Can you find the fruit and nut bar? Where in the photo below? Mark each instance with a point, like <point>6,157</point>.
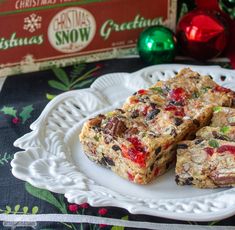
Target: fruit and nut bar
<point>209,160</point>
<point>206,163</point>
<point>138,140</point>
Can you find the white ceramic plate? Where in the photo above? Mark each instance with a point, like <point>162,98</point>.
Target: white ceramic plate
<point>52,157</point>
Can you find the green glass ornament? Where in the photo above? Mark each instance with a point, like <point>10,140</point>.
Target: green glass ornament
<point>228,6</point>
<point>157,45</point>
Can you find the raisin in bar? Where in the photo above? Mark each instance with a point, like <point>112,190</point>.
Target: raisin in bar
<point>138,141</point>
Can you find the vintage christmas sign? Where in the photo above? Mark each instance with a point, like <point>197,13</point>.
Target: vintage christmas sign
<point>37,34</point>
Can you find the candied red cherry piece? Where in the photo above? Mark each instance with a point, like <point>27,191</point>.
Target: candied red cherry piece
<point>142,91</point>
<point>178,111</point>
<point>221,89</point>
<point>178,94</point>
<point>135,141</point>
<point>130,176</point>
<point>209,150</point>
<point>171,108</point>
<point>226,148</point>
<point>134,154</point>
<point>145,110</point>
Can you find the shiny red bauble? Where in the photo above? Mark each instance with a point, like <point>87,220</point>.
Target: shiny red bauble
<point>202,34</point>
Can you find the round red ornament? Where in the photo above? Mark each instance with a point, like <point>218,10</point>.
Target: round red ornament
<point>202,34</point>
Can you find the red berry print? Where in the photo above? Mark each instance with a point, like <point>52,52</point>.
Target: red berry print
<point>84,205</point>
<point>16,120</point>
<point>209,151</point>
<point>102,225</point>
<point>99,65</point>
<point>102,211</point>
<point>73,207</point>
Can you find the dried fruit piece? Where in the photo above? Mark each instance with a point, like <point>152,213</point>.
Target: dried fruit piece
<point>198,141</point>
<point>178,94</point>
<point>158,150</point>
<point>221,89</point>
<point>145,110</point>
<point>130,176</point>
<point>196,122</point>
<point>142,91</point>
<point>217,109</point>
<point>226,148</point>
<point>153,113</point>
<point>136,152</point>
<point>116,147</point>
<point>178,121</point>
<point>224,129</point>
<point>220,136</point>
<point>178,111</point>
<point>195,95</point>
<point>134,155</point>
<point>156,171</point>
<point>209,151</point>
<point>182,146</point>
<point>107,161</point>
<point>188,181</point>
<point>135,114</point>
<point>158,89</point>
<point>213,143</point>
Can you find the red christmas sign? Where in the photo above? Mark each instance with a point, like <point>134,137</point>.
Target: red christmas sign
<point>39,33</point>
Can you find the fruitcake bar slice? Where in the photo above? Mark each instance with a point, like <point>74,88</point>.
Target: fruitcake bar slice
<point>130,147</point>
<point>184,96</point>
<point>206,163</point>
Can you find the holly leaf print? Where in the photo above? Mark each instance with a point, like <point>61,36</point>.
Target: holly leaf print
<point>9,111</point>
<point>61,75</point>
<point>77,70</point>
<point>26,113</point>
<point>57,85</point>
<point>45,195</point>
<point>83,83</point>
